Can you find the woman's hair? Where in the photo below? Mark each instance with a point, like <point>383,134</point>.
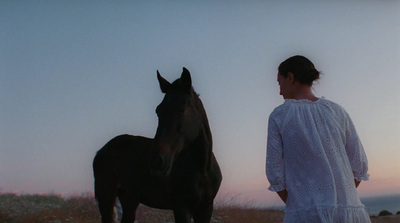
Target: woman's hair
<point>302,68</point>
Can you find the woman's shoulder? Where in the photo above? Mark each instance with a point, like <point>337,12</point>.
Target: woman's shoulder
<point>335,109</point>
<point>331,104</point>
<point>279,110</point>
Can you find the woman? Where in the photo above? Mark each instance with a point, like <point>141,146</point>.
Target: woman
<point>315,159</point>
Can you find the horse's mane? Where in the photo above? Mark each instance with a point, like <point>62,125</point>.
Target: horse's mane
<point>200,107</point>
<point>207,131</point>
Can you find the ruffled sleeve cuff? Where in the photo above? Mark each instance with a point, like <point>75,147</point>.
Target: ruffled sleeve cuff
<point>364,177</point>
<point>276,188</point>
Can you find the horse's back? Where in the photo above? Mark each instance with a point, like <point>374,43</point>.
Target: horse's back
<point>127,142</point>
<point>119,151</point>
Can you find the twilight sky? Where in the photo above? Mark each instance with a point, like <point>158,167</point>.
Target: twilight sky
<point>75,74</point>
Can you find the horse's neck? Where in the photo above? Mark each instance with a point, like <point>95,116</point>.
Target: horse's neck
<point>203,143</point>
<point>205,131</point>
<point>203,147</point>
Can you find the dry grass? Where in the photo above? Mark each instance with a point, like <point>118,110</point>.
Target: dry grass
<point>386,219</point>
<point>236,215</point>
<point>47,208</point>
<point>234,209</point>
<point>83,209</point>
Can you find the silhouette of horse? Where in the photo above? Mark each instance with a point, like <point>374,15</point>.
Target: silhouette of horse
<point>176,170</point>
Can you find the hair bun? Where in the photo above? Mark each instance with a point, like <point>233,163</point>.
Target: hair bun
<point>314,74</point>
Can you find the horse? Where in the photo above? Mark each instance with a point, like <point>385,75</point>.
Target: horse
<point>176,170</point>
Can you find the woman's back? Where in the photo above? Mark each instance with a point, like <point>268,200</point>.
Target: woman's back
<point>315,154</point>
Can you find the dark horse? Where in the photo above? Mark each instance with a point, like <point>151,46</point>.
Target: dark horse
<point>176,170</point>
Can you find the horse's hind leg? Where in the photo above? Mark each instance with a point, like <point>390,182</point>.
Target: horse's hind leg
<point>129,206</point>
<point>105,197</point>
<point>106,206</point>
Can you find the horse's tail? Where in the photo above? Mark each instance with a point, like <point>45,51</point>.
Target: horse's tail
<point>106,182</point>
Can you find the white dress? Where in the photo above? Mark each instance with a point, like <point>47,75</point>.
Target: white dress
<point>314,152</point>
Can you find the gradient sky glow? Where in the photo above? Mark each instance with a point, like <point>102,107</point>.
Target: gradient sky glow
<point>75,74</point>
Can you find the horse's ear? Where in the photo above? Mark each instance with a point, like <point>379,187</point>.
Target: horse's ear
<point>164,84</point>
<point>186,79</point>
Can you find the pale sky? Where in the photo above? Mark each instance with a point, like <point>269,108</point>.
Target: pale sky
<point>75,74</point>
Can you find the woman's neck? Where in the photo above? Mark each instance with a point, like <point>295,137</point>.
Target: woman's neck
<point>304,92</point>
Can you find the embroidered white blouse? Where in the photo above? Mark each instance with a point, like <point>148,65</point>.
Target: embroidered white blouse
<point>314,152</point>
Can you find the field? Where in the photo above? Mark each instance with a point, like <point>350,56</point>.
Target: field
<point>83,209</point>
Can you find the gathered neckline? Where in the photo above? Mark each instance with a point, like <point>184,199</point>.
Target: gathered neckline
<point>303,100</point>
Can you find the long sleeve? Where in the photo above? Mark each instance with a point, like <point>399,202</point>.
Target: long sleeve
<point>355,152</point>
<point>275,167</point>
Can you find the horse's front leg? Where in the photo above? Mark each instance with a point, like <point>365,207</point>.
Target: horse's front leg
<point>182,215</point>
<point>203,215</point>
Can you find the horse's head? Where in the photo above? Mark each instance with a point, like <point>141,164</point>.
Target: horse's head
<point>179,121</point>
